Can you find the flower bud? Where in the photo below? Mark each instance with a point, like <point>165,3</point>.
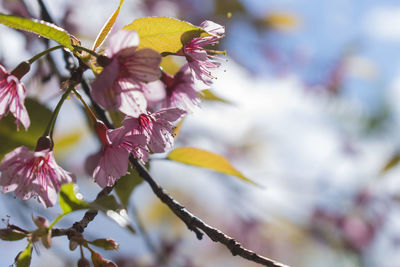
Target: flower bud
<point>8,234</point>
<point>41,222</point>
<point>99,261</point>
<point>83,263</point>
<point>42,232</point>
<point>43,143</point>
<point>105,243</point>
<point>101,130</point>
<point>73,245</point>
<point>22,69</point>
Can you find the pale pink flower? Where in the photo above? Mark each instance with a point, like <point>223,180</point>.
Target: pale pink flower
<point>113,160</point>
<point>157,127</point>
<point>33,174</point>
<point>180,90</point>
<point>119,86</point>
<point>155,94</point>
<point>12,97</point>
<point>201,59</point>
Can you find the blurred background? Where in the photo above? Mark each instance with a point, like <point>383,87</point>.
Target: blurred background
<point>308,108</point>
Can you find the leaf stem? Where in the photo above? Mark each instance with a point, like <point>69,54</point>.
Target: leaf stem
<point>89,110</point>
<point>86,50</point>
<point>57,220</point>
<point>45,52</point>
<point>50,126</point>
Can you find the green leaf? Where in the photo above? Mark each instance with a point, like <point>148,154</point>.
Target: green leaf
<point>205,159</point>
<point>11,138</point>
<point>125,186</point>
<point>68,200</point>
<point>40,27</point>
<point>107,27</point>
<point>209,95</point>
<point>164,34</point>
<point>23,258</point>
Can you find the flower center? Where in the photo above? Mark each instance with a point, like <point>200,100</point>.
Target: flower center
<point>144,121</point>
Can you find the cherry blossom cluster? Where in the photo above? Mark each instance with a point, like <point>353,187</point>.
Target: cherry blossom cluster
<point>130,81</point>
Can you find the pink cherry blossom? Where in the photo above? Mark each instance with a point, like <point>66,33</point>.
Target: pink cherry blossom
<point>12,97</point>
<point>112,161</point>
<point>119,86</point>
<point>157,127</point>
<point>180,90</point>
<point>199,59</point>
<point>33,174</point>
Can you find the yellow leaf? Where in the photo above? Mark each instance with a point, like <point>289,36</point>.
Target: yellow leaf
<point>209,95</point>
<point>69,139</point>
<point>391,163</point>
<point>282,21</point>
<point>163,34</point>
<point>107,27</point>
<point>205,159</point>
<point>170,64</point>
<point>178,127</point>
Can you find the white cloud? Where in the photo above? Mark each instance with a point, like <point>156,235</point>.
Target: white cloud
<point>383,23</point>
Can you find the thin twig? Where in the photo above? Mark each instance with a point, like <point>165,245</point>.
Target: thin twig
<point>89,216</point>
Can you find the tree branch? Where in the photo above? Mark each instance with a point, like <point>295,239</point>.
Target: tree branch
<point>194,224</point>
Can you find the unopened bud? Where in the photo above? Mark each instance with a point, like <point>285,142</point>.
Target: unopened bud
<point>99,261</point>
<point>41,222</point>
<point>46,240</point>
<point>42,233</point>
<point>8,234</point>
<point>43,143</point>
<point>101,130</point>
<point>73,245</point>
<point>83,263</point>
<point>105,243</point>
<point>22,69</point>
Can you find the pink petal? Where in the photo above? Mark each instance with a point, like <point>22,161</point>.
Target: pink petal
<point>112,166</point>
<point>212,28</point>
<point>161,139</point>
<point>91,162</point>
<point>182,93</point>
<point>103,91</point>
<point>170,114</point>
<point>142,65</point>
<point>154,92</point>
<point>117,136</point>
<point>131,123</point>
<point>31,174</point>
<point>137,139</point>
<point>133,102</point>
<point>12,97</point>
<point>121,40</point>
